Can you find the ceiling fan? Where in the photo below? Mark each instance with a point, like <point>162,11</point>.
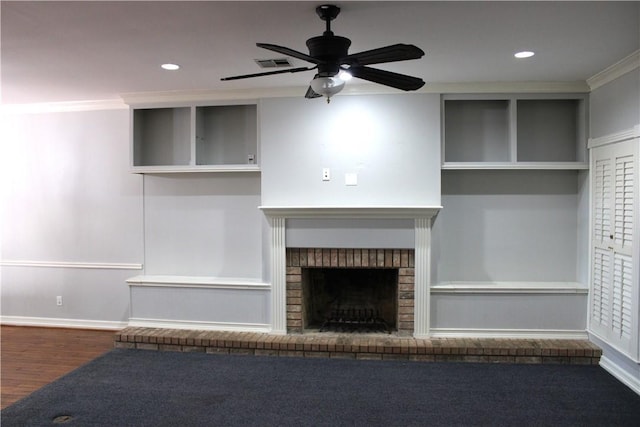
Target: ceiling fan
<point>329,54</point>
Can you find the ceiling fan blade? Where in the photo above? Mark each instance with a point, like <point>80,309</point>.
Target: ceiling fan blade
<point>269,73</point>
<point>290,52</point>
<point>387,78</point>
<point>393,53</point>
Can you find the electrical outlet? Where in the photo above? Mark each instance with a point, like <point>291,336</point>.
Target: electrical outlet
<point>59,300</point>
<point>326,174</point>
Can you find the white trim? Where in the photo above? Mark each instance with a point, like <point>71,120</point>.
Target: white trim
<point>196,168</point>
<point>278,276</point>
<point>509,333</point>
<point>174,98</point>
<point>70,264</point>
<point>64,107</point>
<point>613,138</point>
<point>621,374</point>
<point>52,322</point>
<point>579,87</point>
<point>380,212</point>
<point>515,165</point>
<point>197,282</point>
<point>601,341</point>
<point>181,97</point>
<point>422,259</point>
<point>199,325</point>
<point>614,71</point>
<point>509,288</point>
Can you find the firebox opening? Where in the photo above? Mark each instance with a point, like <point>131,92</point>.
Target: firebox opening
<point>363,300</point>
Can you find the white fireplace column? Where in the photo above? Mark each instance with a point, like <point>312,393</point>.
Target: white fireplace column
<point>422,285</point>
<point>422,216</point>
<point>278,276</point>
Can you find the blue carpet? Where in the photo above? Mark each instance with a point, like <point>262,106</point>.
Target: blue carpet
<point>149,388</point>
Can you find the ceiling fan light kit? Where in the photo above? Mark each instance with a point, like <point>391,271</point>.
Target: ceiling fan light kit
<point>327,86</point>
<point>330,55</point>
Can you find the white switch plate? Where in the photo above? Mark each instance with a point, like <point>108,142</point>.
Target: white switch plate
<point>326,174</point>
<point>351,179</point>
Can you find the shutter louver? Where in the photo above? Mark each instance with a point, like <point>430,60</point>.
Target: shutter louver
<point>601,287</point>
<point>621,313</point>
<point>623,201</point>
<point>602,197</point>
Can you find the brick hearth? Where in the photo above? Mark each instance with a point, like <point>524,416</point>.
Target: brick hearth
<point>352,346</point>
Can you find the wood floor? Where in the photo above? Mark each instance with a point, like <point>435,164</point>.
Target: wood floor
<point>33,357</point>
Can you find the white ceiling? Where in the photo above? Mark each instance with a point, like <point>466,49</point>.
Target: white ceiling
<point>71,51</point>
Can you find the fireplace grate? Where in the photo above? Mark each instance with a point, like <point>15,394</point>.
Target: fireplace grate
<point>355,320</point>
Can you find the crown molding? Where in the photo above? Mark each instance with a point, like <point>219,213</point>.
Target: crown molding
<point>614,71</point>
<point>507,87</point>
<point>189,97</point>
<point>63,107</point>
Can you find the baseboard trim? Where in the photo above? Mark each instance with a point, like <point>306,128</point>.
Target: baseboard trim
<point>622,375</point>
<point>508,333</point>
<point>199,325</point>
<point>52,322</point>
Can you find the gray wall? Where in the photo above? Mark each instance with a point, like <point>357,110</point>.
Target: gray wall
<point>615,106</point>
<point>68,198</point>
<point>507,226</point>
<point>350,233</point>
<point>392,142</point>
<point>203,225</point>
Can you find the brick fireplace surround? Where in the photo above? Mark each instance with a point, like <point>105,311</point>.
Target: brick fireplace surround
<point>401,259</point>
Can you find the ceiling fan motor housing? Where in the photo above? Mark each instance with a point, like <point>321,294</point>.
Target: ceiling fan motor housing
<point>329,50</point>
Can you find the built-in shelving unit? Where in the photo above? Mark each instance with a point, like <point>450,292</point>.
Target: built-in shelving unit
<point>195,138</point>
<point>523,131</point>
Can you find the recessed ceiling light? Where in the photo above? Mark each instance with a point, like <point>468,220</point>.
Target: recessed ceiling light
<point>170,67</point>
<point>524,54</point>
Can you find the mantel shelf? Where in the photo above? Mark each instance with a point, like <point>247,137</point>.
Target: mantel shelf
<point>376,212</point>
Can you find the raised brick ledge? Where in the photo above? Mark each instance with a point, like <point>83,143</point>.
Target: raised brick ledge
<point>371,347</point>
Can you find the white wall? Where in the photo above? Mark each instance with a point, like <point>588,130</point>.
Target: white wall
<point>68,202</point>
<point>392,143</point>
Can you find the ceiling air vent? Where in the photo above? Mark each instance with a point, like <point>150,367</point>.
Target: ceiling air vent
<point>273,63</point>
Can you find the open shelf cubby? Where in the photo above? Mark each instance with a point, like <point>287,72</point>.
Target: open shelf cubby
<point>195,138</point>
<point>523,131</point>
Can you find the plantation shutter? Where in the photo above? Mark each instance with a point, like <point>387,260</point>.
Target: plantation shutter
<point>614,298</point>
<point>601,262</point>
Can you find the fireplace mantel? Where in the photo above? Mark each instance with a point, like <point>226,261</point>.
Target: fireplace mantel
<point>374,212</point>
<point>422,216</point>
